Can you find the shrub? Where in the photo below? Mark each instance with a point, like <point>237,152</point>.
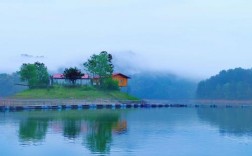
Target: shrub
<point>110,84</point>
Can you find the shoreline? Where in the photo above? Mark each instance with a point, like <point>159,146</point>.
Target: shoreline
<point>10,104</point>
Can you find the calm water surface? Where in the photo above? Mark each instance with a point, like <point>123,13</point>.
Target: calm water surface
<point>164,131</point>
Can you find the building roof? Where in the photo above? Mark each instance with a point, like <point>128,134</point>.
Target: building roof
<point>115,74</point>
<point>86,76</point>
<point>58,76</point>
<point>61,76</point>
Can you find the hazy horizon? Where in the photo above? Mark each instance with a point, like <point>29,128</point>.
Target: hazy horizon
<point>191,38</point>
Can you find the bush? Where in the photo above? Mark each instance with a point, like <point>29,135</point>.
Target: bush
<point>110,84</point>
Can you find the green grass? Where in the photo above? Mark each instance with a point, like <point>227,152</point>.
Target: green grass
<point>60,92</point>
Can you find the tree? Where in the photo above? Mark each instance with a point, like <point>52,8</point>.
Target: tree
<point>36,75</point>
<point>72,74</point>
<point>100,65</point>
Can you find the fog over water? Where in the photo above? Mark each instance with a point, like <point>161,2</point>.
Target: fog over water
<point>191,38</point>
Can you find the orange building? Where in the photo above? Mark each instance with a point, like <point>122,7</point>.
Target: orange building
<point>121,78</point>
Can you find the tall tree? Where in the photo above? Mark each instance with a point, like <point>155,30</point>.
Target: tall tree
<point>100,65</point>
<point>36,75</point>
<point>72,74</point>
<point>42,74</point>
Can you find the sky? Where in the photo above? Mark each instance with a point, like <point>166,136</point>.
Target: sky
<point>194,38</point>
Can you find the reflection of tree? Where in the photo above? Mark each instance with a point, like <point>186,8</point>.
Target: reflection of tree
<point>72,128</point>
<point>99,137</point>
<point>98,125</point>
<point>237,121</point>
<point>33,129</point>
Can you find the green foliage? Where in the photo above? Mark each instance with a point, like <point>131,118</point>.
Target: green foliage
<point>33,129</point>
<point>100,124</point>
<point>99,137</point>
<point>8,84</point>
<point>72,74</point>
<point>28,73</point>
<point>230,84</point>
<point>42,74</point>
<point>72,128</point>
<point>110,84</point>
<point>100,65</point>
<point>36,75</point>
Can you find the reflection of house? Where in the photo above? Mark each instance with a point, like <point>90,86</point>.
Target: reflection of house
<point>61,80</point>
<point>120,127</point>
<point>121,78</point>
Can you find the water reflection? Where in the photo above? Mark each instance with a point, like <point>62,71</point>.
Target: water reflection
<point>33,129</point>
<point>127,132</point>
<point>230,121</point>
<point>72,128</point>
<point>99,135</point>
<point>95,128</point>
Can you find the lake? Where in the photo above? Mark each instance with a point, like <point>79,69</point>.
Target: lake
<point>142,131</point>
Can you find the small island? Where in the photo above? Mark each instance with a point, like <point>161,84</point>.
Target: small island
<point>81,93</point>
<point>99,83</point>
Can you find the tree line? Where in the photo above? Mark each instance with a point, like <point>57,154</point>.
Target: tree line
<point>228,84</point>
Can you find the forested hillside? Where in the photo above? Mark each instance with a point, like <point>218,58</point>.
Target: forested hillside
<point>228,84</point>
<point>157,85</point>
<point>7,84</point>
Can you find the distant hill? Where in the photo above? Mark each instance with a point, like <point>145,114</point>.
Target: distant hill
<point>7,84</point>
<point>155,85</point>
<point>228,84</point>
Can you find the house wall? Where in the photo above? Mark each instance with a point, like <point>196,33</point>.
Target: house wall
<point>83,82</point>
<point>96,82</point>
<point>122,81</point>
<point>59,81</point>
<point>66,82</point>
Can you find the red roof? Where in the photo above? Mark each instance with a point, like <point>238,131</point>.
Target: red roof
<point>58,76</point>
<point>85,76</point>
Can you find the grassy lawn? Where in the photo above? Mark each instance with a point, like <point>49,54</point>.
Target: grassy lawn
<point>60,92</point>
